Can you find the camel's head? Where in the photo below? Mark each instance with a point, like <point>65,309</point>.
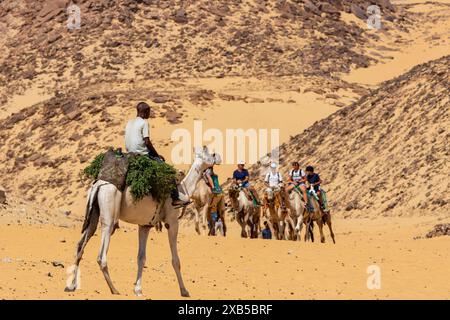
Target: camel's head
<point>233,191</point>
<point>203,159</point>
<point>233,194</point>
<point>270,194</point>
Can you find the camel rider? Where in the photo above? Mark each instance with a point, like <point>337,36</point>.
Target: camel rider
<point>137,140</point>
<point>212,180</point>
<point>241,177</point>
<point>274,182</point>
<point>314,181</point>
<point>297,179</point>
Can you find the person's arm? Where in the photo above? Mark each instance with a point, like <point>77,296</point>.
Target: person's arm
<point>210,180</point>
<point>234,177</point>
<point>304,179</point>
<point>145,131</point>
<point>291,174</point>
<point>151,149</point>
<point>319,181</point>
<point>247,177</point>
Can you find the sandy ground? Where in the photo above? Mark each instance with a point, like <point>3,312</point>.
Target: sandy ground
<point>235,268</point>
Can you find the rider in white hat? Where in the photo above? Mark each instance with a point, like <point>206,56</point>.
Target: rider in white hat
<point>242,177</point>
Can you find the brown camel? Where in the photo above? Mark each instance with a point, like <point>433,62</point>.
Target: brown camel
<point>276,213</point>
<point>246,213</point>
<point>320,218</point>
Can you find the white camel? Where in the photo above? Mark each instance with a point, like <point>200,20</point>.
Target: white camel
<point>296,212</point>
<point>107,204</point>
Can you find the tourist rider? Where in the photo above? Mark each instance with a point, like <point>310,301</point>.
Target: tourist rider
<point>241,177</point>
<point>297,179</point>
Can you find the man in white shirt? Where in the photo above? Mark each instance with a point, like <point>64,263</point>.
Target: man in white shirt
<point>137,140</point>
<point>273,177</point>
<point>297,179</point>
<point>274,182</point>
<point>137,135</point>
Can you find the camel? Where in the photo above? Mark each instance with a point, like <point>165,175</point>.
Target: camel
<point>247,214</point>
<point>275,213</point>
<point>319,217</point>
<point>296,212</point>
<point>107,205</point>
<point>202,197</point>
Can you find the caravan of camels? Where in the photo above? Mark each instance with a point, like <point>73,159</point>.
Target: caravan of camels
<point>284,209</point>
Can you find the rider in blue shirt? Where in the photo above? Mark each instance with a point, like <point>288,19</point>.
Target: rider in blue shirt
<point>315,181</point>
<point>241,177</point>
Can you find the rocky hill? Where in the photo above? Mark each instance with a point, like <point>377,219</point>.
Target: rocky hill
<point>154,39</point>
<point>388,152</point>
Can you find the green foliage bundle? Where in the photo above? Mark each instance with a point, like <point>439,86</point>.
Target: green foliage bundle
<point>145,176</point>
<point>92,170</point>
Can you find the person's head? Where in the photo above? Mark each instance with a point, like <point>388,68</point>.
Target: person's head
<point>143,110</point>
<point>266,225</point>
<point>241,164</point>
<point>295,165</point>
<point>309,169</point>
<point>273,167</point>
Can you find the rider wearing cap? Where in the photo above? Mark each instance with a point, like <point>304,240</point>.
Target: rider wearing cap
<point>297,179</point>
<point>274,182</point>
<point>242,177</point>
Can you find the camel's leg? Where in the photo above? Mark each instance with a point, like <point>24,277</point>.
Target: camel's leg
<point>290,223</point>
<point>272,229</point>
<point>143,236</point>
<point>328,222</point>
<point>201,216</point>
<point>299,226</point>
<point>242,223</point>
<point>308,232</point>
<point>197,219</point>
<point>222,217</point>
<point>282,230</point>
<point>250,224</point>
<point>172,221</point>
<point>224,226</point>
<point>109,202</point>
<point>87,234</point>
<point>320,224</point>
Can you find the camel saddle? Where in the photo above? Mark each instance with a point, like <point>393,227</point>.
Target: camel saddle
<point>114,168</point>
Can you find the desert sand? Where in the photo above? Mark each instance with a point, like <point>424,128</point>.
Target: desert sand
<point>235,268</point>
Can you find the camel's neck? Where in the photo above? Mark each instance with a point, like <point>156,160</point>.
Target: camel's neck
<point>189,182</point>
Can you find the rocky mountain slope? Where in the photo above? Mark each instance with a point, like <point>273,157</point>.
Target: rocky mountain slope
<point>388,152</point>
<point>152,39</point>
